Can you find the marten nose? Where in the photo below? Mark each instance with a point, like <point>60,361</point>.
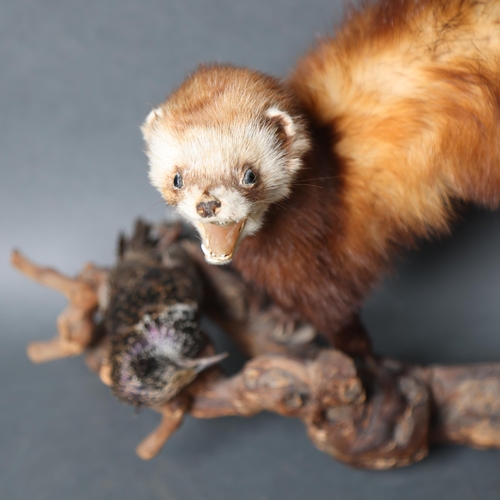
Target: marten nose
<point>208,208</point>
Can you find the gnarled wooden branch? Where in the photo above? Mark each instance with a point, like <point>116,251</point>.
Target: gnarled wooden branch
<point>372,412</point>
<point>75,325</point>
<point>172,415</point>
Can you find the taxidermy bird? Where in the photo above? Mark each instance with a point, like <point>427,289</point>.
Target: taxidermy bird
<point>312,184</point>
<point>152,318</point>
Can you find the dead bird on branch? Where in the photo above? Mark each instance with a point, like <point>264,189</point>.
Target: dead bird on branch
<point>150,304</point>
<point>157,345</point>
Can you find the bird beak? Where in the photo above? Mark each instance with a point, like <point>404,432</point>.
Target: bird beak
<point>201,364</point>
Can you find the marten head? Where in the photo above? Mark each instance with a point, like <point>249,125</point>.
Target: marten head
<point>222,148</point>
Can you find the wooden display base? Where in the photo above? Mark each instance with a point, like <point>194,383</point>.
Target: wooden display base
<point>370,412</point>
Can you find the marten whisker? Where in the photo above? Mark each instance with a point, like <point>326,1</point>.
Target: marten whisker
<point>307,184</point>
<point>155,205</point>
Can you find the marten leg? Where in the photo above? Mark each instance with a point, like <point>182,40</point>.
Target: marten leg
<point>289,327</point>
<point>353,339</point>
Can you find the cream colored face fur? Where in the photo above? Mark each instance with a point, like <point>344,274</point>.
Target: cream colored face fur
<point>212,160</point>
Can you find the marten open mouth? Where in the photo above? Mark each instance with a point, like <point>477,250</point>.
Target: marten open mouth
<point>219,240</point>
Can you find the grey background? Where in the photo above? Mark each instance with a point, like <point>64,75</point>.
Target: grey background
<point>76,79</point>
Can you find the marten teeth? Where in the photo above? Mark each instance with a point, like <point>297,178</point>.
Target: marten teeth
<point>213,257</point>
<point>223,224</point>
<point>219,240</point>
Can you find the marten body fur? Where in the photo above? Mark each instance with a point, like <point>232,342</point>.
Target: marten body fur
<point>377,133</point>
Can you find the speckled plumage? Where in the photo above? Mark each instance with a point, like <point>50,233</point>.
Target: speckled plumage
<point>152,319</point>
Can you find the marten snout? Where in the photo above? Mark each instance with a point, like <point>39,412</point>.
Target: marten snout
<point>208,208</point>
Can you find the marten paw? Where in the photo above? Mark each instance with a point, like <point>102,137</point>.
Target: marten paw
<point>288,328</point>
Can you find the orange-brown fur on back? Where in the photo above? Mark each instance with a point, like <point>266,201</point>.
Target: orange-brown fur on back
<point>406,100</point>
<point>403,108</point>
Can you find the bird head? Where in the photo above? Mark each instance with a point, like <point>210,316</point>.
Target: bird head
<point>157,358</point>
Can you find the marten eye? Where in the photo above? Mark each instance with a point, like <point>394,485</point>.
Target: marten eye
<point>250,177</point>
<point>178,182</point>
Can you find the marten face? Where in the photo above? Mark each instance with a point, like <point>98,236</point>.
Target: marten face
<point>222,149</point>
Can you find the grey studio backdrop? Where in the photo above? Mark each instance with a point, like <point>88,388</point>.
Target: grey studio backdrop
<point>76,79</point>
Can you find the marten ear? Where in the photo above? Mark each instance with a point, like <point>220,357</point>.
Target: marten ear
<point>148,124</point>
<point>291,133</point>
<point>284,123</point>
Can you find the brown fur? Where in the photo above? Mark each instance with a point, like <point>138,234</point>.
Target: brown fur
<point>386,166</point>
<point>403,108</point>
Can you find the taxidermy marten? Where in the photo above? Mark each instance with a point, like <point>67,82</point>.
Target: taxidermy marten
<point>312,184</point>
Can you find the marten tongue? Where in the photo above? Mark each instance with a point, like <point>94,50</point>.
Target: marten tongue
<point>219,241</point>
